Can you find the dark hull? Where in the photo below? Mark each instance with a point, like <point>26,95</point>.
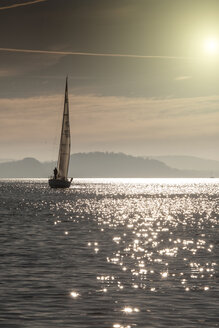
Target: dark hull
<point>55,183</point>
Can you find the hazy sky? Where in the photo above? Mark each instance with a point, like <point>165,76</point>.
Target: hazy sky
<point>143,76</point>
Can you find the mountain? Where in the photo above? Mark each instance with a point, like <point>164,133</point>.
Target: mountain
<point>117,165</point>
<point>25,168</point>
<point>91,165</point>
<point>3,160</point>
<point>190,163</point>
<point>98,165</point>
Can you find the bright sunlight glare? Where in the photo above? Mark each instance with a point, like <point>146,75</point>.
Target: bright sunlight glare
<point>211,46</point>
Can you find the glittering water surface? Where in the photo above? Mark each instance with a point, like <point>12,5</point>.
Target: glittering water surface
<point>109,253</point>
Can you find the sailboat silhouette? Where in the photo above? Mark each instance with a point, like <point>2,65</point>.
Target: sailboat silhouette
<point>60,178</point>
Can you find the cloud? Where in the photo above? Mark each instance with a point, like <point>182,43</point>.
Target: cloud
<point>77,53</point>
<point>7,72</point>
<point>109,117</point>
<point>181,78</point>
<point>31,126</point>
<point>15,5</point>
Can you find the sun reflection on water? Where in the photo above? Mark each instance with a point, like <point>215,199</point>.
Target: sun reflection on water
<point>111,253</point>
<point>74,294</point>
<point>144,238</point>
<point>149,225</point>
<point>129,309</point>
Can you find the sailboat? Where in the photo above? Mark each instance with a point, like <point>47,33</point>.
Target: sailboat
<point>60,177</point>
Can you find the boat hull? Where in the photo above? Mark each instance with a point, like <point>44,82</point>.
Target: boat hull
<point>56,183</point>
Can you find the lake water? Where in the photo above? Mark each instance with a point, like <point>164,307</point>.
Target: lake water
<point>115,253</point>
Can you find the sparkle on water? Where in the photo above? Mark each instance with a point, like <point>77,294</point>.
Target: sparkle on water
<point>110,253</point>
<point>74,294</point>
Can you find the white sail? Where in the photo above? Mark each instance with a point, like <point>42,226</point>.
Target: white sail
<point>65,141</point>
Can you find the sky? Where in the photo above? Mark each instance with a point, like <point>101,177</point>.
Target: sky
<point>143,76</point>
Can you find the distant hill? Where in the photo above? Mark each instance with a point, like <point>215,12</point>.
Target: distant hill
<point>25,168</point>
<point>117,165</point>
<point>3,160</point>
<point>190,163</point>
<point>97,165</point>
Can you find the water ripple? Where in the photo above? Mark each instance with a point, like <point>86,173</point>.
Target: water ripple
<point>109,253</point>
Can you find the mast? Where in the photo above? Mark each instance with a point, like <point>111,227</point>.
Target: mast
<point>65,140</point>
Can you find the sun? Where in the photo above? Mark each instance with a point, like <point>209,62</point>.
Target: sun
<point>211,46</point>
